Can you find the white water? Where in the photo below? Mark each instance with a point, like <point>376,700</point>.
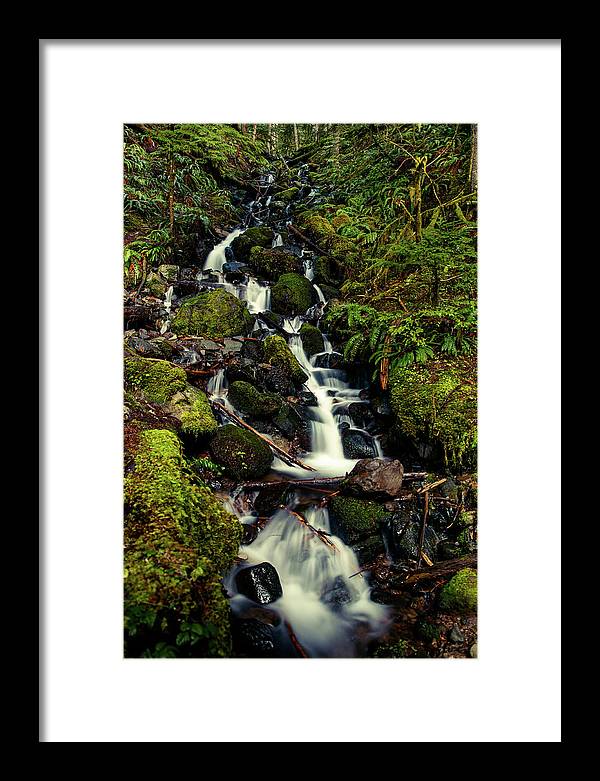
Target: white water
<point>216,257</point>
<point>308,569</point>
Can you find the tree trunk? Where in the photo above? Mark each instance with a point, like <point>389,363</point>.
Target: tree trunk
<point>171,197</point>
<point>254,133</point>
<point>296,142</point>
<point>473,164</point>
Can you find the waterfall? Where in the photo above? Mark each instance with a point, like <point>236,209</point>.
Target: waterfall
<point>320,600</point>
<point>277,240</point>
<point>216,257</point>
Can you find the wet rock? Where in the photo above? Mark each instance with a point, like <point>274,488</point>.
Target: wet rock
<point>241,369</point>
<point>186,287</point>
<point>249,533</point>
<point>382,407</point>
<point>235,272</point>
<point>374,477</point>
<point>355,520</point>
<point>308,398</point>
<point>336,594</point>
<point>252,638</point>
<point>361,414</point>
<point>188,273</point>
<point>272,320</point>
<point>279,355</point>
<point>455,635</point>
<point>277,379</point>
<point>358,444</point>
<point>270,498</point>
<point>402,534</point>
<point>288,421</point>
<point>473,651</point>
<point>368,550</point>
<point>253,237</point>
<point>168,272</point>
<point>315,313</point>
<point>252,351</point>
<point>232,346</point>
<point>330,361</point>
<point>259,583</point>
<point>143,347</point>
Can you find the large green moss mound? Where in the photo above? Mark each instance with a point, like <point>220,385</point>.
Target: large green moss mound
<point>179,541</point>
<point>214,314</point>
<point>277,353</point>
<point>437,404</point>
<point>271,263</point>
<point>246,398</point>
<point>312,339</point>
<point>158,380</point>
<point>243,454</point>
<point>197,419</point>
<point>253,237</point>
<point>460,593</point>
<point>323,233</point>
<point>292,295</point>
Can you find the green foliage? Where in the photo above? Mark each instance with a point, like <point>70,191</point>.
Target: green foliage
<point>400,649</point>
<point>427,631</point>
<point>438,404</point>
<point>460,593</point>
<point>179,540</point>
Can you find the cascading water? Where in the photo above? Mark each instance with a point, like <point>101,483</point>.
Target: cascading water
<point>330,613</point>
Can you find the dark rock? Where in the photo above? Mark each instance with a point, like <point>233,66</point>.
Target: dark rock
<point>253,638</point>
<point>234,271</point>
<point>186,287</point>
<point>456,636</point>
<point>253,351</point>
<point>308,398</point>
<point>382,407</point>
<point>249,533</point>
<point>330,361</point>
<point>336,594</point>
<point>288,421</point>
<point>143,347</point>
<point>402,534</point>
<point>361,414</point>
<point>358,444</point>
<point>270,498</point>
<point>272,320</point>
<point>278,380</point>
<point>374,477</point>
<point>241,369</point>
<point>259,583</point>
<point>368,550</point>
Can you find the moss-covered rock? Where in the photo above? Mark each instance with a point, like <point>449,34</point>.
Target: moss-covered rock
<point>271,263</point>
<point>355,519</point>
<point>330,293</point>
<point>246,398</point>
<point>214,314</point>
<point>437,404</point>
<point>278,354</point>
<point>179,541</point>
<point>312,339</point>
<point>287,195</point>
<point>323,233</point>
<point>195,414</point>
<point>158,380</point>
<point>243,454</point>
<point>156,286</point>
<point>253,237</point>
<point>293,294</point>
<point>328,272</point>
<point>460,593</point>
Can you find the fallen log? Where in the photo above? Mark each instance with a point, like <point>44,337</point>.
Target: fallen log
<point>285,457</point>
<point>318,481</point>
<point>441,570</point>
<point>307,240</point>
<point>295,641</point>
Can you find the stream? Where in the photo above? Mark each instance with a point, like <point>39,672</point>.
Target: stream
<point>323,611</point>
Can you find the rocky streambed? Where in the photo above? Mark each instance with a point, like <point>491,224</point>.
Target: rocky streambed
<point>347,545</point>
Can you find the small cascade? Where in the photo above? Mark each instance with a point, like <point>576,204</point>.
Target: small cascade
<point>277,240</point>
<point>216,257</point>
<point>168,303</point>
<point>326,607</point>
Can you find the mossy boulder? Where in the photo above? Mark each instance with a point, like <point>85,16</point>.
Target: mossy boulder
<point>323,233</point>
<point>162,383</point>
<point>158,380</point>
<point>156,286</point>
<point>194,411</point>
<point>436,404</point>
<point>328,272</point>
<point>460,593</point>
<point>253,237</point>
<point>312,339</point>
<point>246,398</point>
<point>292,295</point>
<point>287,195</point>
<point>278,354</point>
<point>214,314</point>
<point>330,293</point>
<point>242,453</point>
<point>179,541</point>
<point>271,263</point>
<point>356,519</point>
